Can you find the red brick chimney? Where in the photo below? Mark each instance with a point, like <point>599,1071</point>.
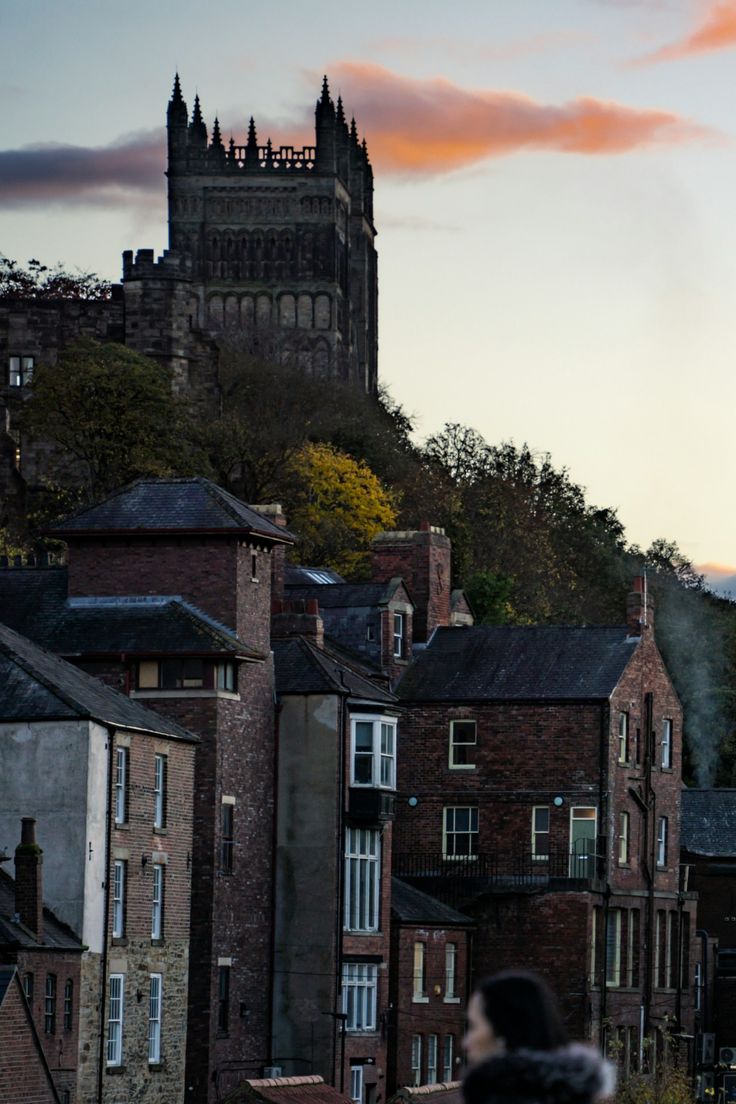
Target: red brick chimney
<point>639,607</point>
<point>275,514</point>
<point>297,617</point>
<point>29,879</point>
<point>422,558</point>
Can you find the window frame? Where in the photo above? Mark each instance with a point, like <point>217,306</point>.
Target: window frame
<point>613,948</point>
<point>451,995</point>
<point>227,837</point>
<point>419,973</point>
<point>416,1060</point>
<point>223,999</point>
<point>623,737</point>
<point>666,743</point>
<point>115,1002</point>
<point>157,901</point>
<point>68,1004</point>
<point>160,789</point>
<point>448,1058</point>
<point>361,980</point>
<point>472,832</point>
<point>122,774</point>
<point>540,856</point>
<point>356,1083</point>
<point>398,639</point>
<point>119,886</point>
<point>662,842</point>
<point>380,759</point>
<point>624,837</point>
<point>155,1005</point>
<point>49,1005</point>
<point>455,744</point>
<point>432,1057</point>
<point>362,870</point>
<point>28,986</point>
<point>20,375</point>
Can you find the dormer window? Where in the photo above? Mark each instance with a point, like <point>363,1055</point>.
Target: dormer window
<point>186,674</point>
<point>373,760</point>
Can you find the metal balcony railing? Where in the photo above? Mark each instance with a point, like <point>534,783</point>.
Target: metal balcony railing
<point>462,877</point>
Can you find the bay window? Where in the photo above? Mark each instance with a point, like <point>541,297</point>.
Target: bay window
<point>373,760</point>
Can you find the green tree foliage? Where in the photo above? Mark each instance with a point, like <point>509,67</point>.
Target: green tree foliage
<point>38,281</point>
<point>112,415</point>
<point>336,505</point>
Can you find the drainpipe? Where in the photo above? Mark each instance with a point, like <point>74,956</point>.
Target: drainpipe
<point>277,707</point>
<point>650,850</point>
<point>106,914</point>
<point>702,935</point>
<point>343,735</point>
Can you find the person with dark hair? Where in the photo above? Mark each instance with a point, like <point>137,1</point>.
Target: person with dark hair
<point>518,1051</point>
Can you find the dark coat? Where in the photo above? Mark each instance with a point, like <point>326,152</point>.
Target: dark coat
<point>573,1074</point>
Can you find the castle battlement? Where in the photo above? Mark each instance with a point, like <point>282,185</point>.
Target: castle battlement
<point>169,266</point>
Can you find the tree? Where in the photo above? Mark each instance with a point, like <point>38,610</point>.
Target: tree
<point>336,505</point>
<point>112,415</point>
<point>38,281</point>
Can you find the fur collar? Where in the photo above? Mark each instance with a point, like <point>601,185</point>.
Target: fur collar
<point>573,1074</point>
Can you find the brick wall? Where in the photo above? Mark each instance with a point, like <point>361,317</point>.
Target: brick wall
<point>422,559</point>
<point>61,1044</point>
<point>23,1076</point>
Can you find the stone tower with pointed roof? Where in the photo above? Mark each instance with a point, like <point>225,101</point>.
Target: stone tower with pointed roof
<point>269,246</point>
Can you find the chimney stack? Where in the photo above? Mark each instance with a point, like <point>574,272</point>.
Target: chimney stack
<point>297,617</point>
<point>29,879</point>
<point>639,607</point>
<point>422,558</point>
<point>276,515</point>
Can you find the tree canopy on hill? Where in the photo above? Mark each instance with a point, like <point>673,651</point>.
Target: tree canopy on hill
<point>39,281</point>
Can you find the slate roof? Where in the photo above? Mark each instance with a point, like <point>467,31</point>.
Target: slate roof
<point>171,505</point>
<point>34,602</point>
<point>522,663</point>
<point>288,1090</point>
<point>339,595</point>
<point>55,933</point>
<point>708,824</point>
<point>412,906</point>
<point>295,574</point>
<point>36,685</point>
<point>303,668</point>
<point>7,973</point>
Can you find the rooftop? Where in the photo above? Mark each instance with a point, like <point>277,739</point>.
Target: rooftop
<point>303,668</point>
<point>288,1090</point>
<point>411,905</point>
<point>193,505</point>
<point>36,685</point>
<point>34,602</point>
<point>708,824</point>
<point>340,595</point>
<point>55,934</point>
<point>523,663</point>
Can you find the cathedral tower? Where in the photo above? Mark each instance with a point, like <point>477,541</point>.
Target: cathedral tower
<point>278,242</point>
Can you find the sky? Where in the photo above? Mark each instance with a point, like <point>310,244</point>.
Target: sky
<point>555,204</point>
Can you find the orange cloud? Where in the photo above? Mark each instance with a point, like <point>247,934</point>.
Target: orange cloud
<point>429,126</point>
<point>717,31</point>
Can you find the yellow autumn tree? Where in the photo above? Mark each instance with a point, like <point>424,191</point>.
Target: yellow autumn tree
<point>336,505</point>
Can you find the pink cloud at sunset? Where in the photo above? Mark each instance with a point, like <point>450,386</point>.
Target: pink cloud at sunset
<point>716,31</point>
<point>432,125</point>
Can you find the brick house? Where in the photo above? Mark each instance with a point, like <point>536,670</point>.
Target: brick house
<point>48,957</point>
<point>109,783</point>
<point>708,853</point>
<point>540,778</point>
<point>429,973</point>
<point>167,595</point>
<point>336,780</point>
<point>24,1074</point>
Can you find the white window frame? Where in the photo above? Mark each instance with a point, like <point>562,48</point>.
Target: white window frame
<point>398,637</point>
<point>416,1060</point>
<point>362,880</point>
<point>356,1084</point>
<point>540,854</point>
<point>450,833</point>
<point>451,995</point>
<point>360,996</point>
<point>115,1019</point>
<point>624,834</point>
<point>623,737</point>
<point>20,370</point>
<point>613,948</point>
<point>157,901</point>
<point>119,877</point>
<point>632,946</point>
<point>577,861</point>
<point>419,973</point>
<point>383,758</point>
<point>667,743</point>
<point>160,776</point>
<point>432,1054</point>
<point>662,841</point>
<point>454,743</point>
<point>448,1059</point>
<point>122,759</point>
<point>155,1009</point>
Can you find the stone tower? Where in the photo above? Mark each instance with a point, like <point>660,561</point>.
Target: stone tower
<point>278,243</point>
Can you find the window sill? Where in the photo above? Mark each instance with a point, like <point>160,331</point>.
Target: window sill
<point>158,942</point>
<point>115,1070</point>
<point>229,695</point>
<point>121,826</point>
<point>371,933</point>
<point>159,830</point>
<point>157,1067</point>
<point>463,766</point>
<point>451,1000</point>
<point>420,1000</point>
<point>119,941</point>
